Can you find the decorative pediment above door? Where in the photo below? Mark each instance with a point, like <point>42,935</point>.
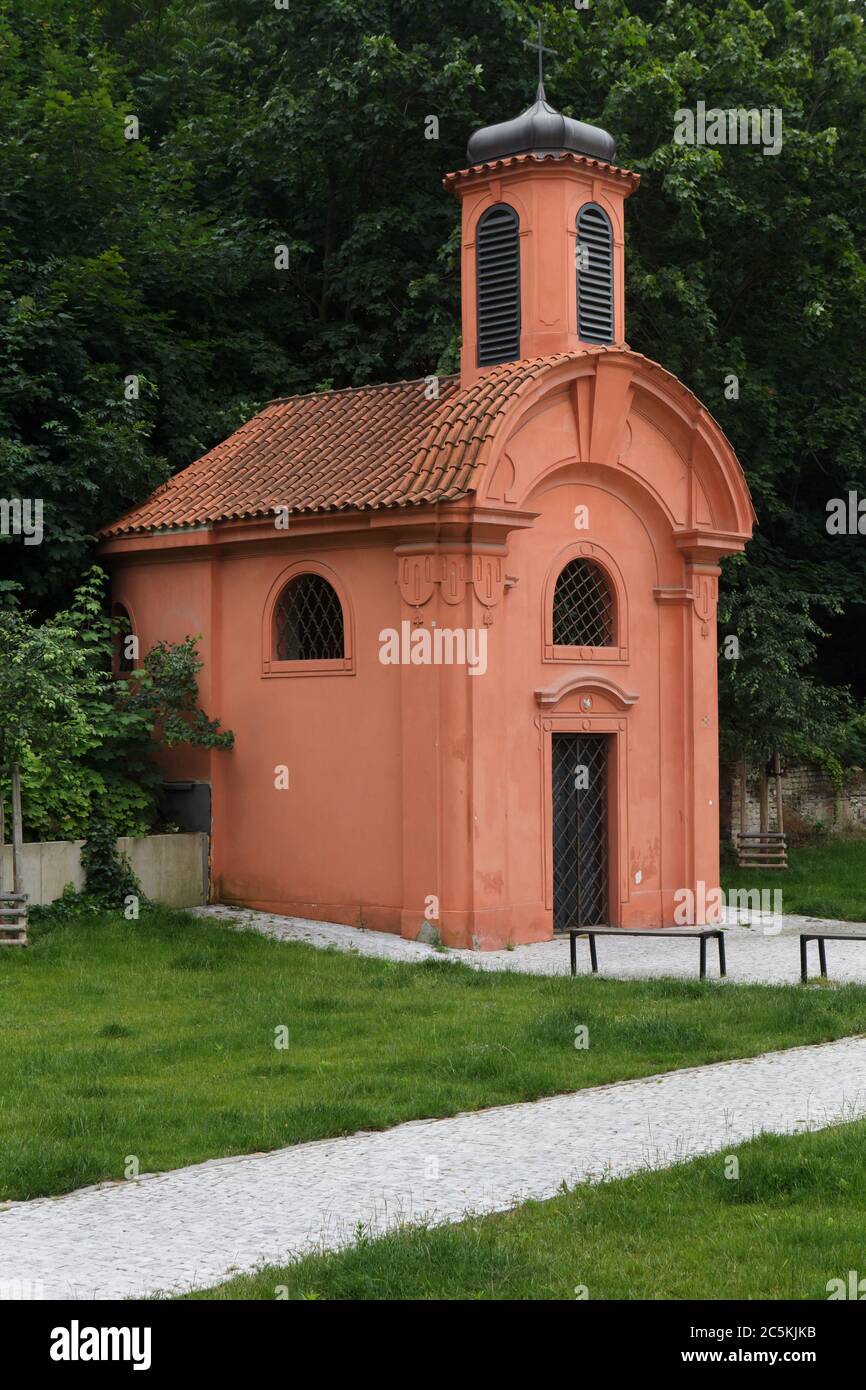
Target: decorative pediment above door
<point>587,684</point>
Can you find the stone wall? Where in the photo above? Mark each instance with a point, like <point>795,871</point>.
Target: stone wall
<point>808,799</point>
<point>172,869</point>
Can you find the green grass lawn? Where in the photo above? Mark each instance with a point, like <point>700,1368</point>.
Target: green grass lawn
<point>155,1039</point>
<point>793,1220</point>
<point>825,879</point>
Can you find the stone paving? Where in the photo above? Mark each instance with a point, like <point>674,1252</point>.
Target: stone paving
<point>756,953</point>
<point>196,1226</point>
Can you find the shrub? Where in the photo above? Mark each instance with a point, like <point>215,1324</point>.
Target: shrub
<point>86,741</point>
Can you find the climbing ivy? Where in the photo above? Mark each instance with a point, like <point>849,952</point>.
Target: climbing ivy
<point>108,876</point>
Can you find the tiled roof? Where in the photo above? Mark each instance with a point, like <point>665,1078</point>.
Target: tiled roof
<point>365,447</point>
<point>369,446</point>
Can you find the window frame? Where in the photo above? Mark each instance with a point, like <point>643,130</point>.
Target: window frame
<point>617,653</point>
<point>595,339</point>
<point>335,666</point>
<point>484,217</point>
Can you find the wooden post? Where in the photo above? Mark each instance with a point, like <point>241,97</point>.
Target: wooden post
<point>17,832</point>
<point>765,801</point>
<point>2,828</point>
<point>777,773</point>
<point>744,772</point>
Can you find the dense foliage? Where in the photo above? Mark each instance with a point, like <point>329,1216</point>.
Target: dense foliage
<point>303,125</point>
<point>84,738</point>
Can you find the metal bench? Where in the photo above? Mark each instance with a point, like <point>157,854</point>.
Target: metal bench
<point>821,937</point>
<point>664,933</point>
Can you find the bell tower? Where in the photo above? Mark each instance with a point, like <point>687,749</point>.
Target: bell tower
<point>542,267</point>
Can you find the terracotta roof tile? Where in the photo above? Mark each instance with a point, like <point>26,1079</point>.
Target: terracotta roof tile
<point>369,446</point>
<point>365,447</point>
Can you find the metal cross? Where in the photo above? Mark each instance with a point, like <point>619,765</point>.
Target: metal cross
<point>539,45</point>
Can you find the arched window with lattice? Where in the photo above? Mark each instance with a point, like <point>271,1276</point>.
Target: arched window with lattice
<point>584,612</point>
<point>308,621</point>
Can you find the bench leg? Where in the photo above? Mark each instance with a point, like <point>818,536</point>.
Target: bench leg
<point>592,954</point>
<point>572,942</point>
<point>723,968</point>
<point>703,946</point>
<point>804,965</point>
<point>822,955</point>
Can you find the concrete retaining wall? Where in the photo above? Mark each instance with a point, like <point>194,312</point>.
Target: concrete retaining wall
<point>172,869</point>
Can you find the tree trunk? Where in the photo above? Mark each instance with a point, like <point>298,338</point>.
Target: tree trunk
<point>744,772</point>
<point>17,832</point>
<point>765,802</point>
<point>777,773</point>
<point>2,830</point>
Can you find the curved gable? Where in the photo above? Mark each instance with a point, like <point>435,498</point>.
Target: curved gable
<point>429,442</point>
<point>617,411</point>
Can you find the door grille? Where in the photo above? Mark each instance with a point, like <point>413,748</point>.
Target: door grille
<point>580,832</point>
<point>498,271</point>
<point>594,275</point>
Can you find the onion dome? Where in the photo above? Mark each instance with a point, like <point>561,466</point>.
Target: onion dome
<point>540,129</point>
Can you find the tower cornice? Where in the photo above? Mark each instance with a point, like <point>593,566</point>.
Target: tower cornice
<point>550,164</point>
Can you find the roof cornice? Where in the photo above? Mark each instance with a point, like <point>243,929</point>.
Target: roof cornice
<point>544,163</point>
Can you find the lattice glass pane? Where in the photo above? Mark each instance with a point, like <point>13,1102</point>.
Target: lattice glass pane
<point>308,621</point>
<point>582,607</point>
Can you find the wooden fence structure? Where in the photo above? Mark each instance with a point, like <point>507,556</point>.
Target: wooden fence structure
<point>13,906</point>
<point>764,848</point>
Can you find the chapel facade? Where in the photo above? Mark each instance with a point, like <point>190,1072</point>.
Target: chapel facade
<point>464,629</point>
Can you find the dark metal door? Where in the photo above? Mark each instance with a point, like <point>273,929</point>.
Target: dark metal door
<point>580,886</point>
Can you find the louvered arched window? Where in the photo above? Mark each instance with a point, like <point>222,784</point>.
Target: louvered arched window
<point>497,251</point>
<point>594,275</point>
<point>583,607</point>
<point>308,621</point>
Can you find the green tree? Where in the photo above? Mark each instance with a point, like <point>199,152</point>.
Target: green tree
<point>85,740</point>
<point>768,700</point>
